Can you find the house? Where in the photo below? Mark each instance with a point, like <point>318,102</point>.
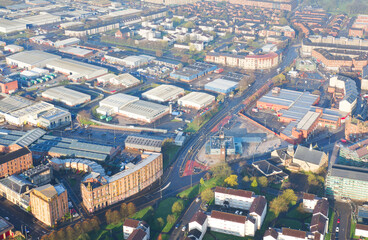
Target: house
<point>271,234</point>
<point>309,159</point>
<point>235,198</point>
<point>198,223</point>
<point>136,229</point>
<point>309,201</point>
<point>258,210</point>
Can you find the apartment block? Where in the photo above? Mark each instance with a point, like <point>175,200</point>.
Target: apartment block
<point>15,161</point>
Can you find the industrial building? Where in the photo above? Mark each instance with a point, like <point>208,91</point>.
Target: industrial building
<point>193,71</point>
<point>143,143</point>
<point>67,96</point>
<point>221,86</point>
<point>40,114</point>
<point>128,61</point>
<point>16,190</point>
<point>75,70</point>
<point>10,26</point>
<point>132,107</point>
<point>13,48</point>
<point>76,51</point>
<point>163,93</point>
<point>126,80</point>
<point>66,42</point>
<point>8,85</point>
<point>31,59</point>
<point>40,19</point>
<point>196,100</point>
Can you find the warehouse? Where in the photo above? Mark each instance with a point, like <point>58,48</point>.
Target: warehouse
<point>137,61</point>
<point>66,42</point>
<point>132,107</point>
<point>126,80</point>
<point>163,93</point>
<point>31,59</point>
<point>193,71</point>
<point>76,70</point>
<point>41,19</point>
<point>9,26</point>
<point>13,48</point>
<point>66,96</point>
<point>80,52</point>
<point>143,143</point>
<point>196,100</point>
<point>221,86</point>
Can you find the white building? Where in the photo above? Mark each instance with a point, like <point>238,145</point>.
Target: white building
<point>66,42</point>
<point>135,229</point>
<point>196,100</point>
<point>309,201</point>
<point>351,94</point>
<point>361,230</point>
<point>31,59</point>
<point>258,210</point>
<point>41,19</point>
<point>126,80</point>
<point>66,96</point>
<point>9,26</point>
<point>75,70</point>
<point>137,61</point>
<point>235,198</point>
<point>232,224</point>
<point>199,222</point>
<point>163,93</point>
<point>13,48</point>
<point>112,104</point>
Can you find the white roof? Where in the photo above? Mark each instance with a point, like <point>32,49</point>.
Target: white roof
<point>124,79</point>
<point>221,84</point>
<point>144,109</point>
<point>118,100</point>
<point>76,51</point>
<point>73,66</point>
<point>163,92</point>
<point>197,98</point>
<point>33,57</point>
<point>307,121</point>
<point>66,94</point>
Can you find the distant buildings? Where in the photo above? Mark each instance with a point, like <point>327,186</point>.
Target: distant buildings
<point>125,80</point>
<point>49,204</point>
<point>31,59</point>
<point>193,71</point>
<point>222,86</point>
<point>286,5</point>
<point>345,92</point>
<point>163,93</point>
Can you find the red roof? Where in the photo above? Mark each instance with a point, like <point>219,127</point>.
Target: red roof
<point>199,217</point>
<point>228,217</point>
<point>308,196</point>
<point>236,192</point>
<point>293,233</point>
<point>131,223</point>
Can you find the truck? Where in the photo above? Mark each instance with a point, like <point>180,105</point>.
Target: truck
<point>102,117</point>
<point>219,70</point>
<point>108,119</point>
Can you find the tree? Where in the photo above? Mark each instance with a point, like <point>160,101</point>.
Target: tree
<point>108,216</point>
<point>246,178</point>
<point>289,196</point>
<point>61,234</point>
<point>232,180</point>
<point>160,223</point>
<point>70,233</point>
<point>95,223</point>
<point>278,205</point>
<point>171,219</point>
<point>184,58</point>
<point>283,21</point>
<point>159,53</point>
<point>51,236</point>
<point>262,181</point>
<point>84,116</point>
<point>317,92</point>
<point>131,209</point>
<point>115,216</point>
<point>180,66</point>
<point>84,236</point>
<point>124,210</point>
<point>87,226</point>
<point>201,181</point>
<point>221,170</point>
<point>254,183</point>
<point>78,229</point>
<point>207,195</point>
<point>177,207</point>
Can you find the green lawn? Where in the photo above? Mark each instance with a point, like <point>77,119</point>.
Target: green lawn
<point>288,222</point>
<point>331,216</point>
<point>222,236</point>
<point>352,228</point>
<point>192,192</point>
<point>144,213</point>
<point>294,213</point>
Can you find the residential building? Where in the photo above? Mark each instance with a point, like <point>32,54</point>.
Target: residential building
<point>198,222</point>
<point>258,210</point>
<point>361,230</point>
<point>16,190</point>
<point>345,92</point>
<point>39,175</point>
<point>15,161</point>
<point>235,198</point>
<point>49,204</point>
<point>309,201</point>
<point>6,229</point>
<point>136,230</point>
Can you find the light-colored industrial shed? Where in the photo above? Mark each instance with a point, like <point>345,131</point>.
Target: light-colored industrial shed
<point>163,93</point>
<point>221,86</point>
<point>9,26</point>
<point>31,59</point>
<point>196,100</point>
<point>125,79</point>
<point>67,96</point>
<point>143,143</point>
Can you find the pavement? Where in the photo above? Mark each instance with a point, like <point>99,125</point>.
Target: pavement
<point>343,212</point>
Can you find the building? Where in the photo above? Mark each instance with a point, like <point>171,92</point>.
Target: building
<point>143,143</point>
<point>361,230</point>
<point>232,224</point>
<point>49,204</point>
<point>10,26</point>
<point>364,80</point>
<point>136,61</point>
<point>13,48</point>
<point>355,128</point>
<point>39,175</point>
<point>131,107</point>
<point>136,230</point>
<point>8,86</point>
<point>286,5</point>
<point>193,71</point>
<point>221,86</point>
<point>222,146</point>
<point>309,201</point>
<point>76,71</point>
<point>250,62</point>
<point>126,80</point>
<point>100,191</point>
<point>66,42</point>
<point>6,229</point>
<point>16,190</point>
<point>15,161</point>
<point>67,96</point>
<point>163,93</point>
<point>82,31</point>
<point>235,198</point>
<point>171,2</point>
<point>309,159</point>
<point>345,92</point>
<point>196,100</point>
<point>77,51</point>
<point>270,171</point>
<point>258,210</point>
<point>30,59</point>
<point>198,222</point>
<point>41,19</point>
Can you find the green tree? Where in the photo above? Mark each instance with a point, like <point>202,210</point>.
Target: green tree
<point>84,236</point>
<point>160,223</point>
<point>131,209</point>
<point>171,219</point>
<point>262,181</point>
<point>207,195</point>
<point>278,205</point>
<point>246,178</point>
<point>115,216</point>
<point>95,223</point>
<point>201,181</point>
<point>289,196</point>
<point>221,170</point>
<point>108,216</point>
<point>232,180</point>
<point>52,236</point>
<point>283,21</point>
<point>159,53</point>
<point>78,229</point>
<point>254,184</point>
<point>87,226</point>
<point>177,207</point>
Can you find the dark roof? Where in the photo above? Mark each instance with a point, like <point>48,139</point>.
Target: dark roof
<point>356,173</point>
<point>13,155</point>
<point>195,233</point>
<point>137,234</point>
<point>317,236</point>
<point>16,184</point>
<point>293,233</point>
<point>271,232</point>
<point>228,216</point>
<point>362,226</point>
<point>258,205</point>
<point>308,155</point>
<point>5,226</point>
<point>236,192</point>
<point>318,223</point>
<point>199,217</point>
<point>308,196</point>
<point>321,207</point>
<point>133,223</point>
<point>266,168</point>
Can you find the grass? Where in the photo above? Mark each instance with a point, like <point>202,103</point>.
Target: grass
<point>199,121</point>
<point>295,213</point>
<point>275,186</point>
<point>222,236</point>
<point>192,192</point>
<point>352,228</point>
<point>288,222</point>
<point>331,216</point>
<point>144,213</point>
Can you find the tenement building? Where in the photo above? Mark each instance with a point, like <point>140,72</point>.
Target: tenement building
<point>15,161</point>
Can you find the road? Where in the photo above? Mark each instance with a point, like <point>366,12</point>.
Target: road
<point>343,212</point>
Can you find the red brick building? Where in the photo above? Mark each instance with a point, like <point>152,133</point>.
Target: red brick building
<point>15,161</point>
<point>8,86</point>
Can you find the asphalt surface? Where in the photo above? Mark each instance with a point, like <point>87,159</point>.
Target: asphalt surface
<point>343,212</point>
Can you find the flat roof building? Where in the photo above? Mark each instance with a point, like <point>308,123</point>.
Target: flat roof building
<point>221,86</point>
<point>163,93</point>
<point>67,96</point>
<point>40,19</point>
<point>126,80</point>
<point>143,143</point>
<point>193,71</point>
<point>9,26</point>
<point>31,59</point>
<point>80,52</point>
<point>196,100</point>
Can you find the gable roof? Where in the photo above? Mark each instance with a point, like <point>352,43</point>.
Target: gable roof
<point>271,232</point>
<point>235,192</point>
<point>137,234</point>
<point>258,205</point>
<point>308,196</point>
<point>308,155</point>
<point>321,207</point>
<point>133,223</point>
<point>293,233</point>
<point>228,217</point>
<point>199,217</point>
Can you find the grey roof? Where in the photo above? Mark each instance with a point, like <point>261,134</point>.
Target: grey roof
<point>355,173</point>
<point>33,57</point>
<point>5,226</point>
<point>308,155</point>
<point>16,184</point>
<point>13,103</point>
<point>49,191</point>
<point>30,137</point>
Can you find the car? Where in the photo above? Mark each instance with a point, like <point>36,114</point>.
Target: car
<point>177,225</point>
<point>6,218</point>
<point>337,229</point>
<point>338,220</point>
<point>197,199</point>
<point>237,212</point>
<point>184,228</point>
